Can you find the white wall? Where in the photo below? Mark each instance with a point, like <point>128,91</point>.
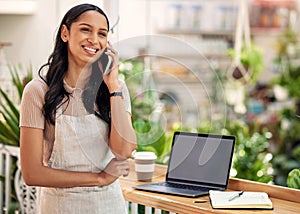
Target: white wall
<point>33,36</point>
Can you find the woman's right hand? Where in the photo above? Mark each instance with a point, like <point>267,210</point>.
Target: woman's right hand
<point>112,80</point>
<point>114,169</point>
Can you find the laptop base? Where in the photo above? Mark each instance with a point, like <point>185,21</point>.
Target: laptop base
<point>158,188</point>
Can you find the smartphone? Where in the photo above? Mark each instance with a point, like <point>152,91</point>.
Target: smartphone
<point>105,62</point>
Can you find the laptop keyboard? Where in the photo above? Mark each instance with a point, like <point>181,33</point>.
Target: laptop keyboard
<point>181,186</point>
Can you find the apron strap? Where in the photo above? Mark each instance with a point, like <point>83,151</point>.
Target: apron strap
<point>58,111</point>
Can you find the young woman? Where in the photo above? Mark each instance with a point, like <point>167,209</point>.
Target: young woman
<point>76,131</point>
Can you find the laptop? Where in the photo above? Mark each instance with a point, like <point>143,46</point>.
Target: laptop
<point>198,163</point>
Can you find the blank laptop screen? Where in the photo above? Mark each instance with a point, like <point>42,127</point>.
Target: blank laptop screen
<point>205,159</point>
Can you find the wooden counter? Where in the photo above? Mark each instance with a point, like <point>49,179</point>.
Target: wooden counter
<point>285,200</point>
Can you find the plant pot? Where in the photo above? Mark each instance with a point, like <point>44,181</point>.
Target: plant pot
<point>240,73</point>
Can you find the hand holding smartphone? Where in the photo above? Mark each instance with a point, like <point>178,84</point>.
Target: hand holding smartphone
<point>105,62</point>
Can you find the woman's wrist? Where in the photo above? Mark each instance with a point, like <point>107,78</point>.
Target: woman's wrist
<point>103,179</point>
<point>116,94</point>
<point>115,88</point>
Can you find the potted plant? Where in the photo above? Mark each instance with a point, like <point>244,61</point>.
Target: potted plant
<point>9,124</point>
<point>251,58</point>
<point>246,67</point>
<point>287,65</point>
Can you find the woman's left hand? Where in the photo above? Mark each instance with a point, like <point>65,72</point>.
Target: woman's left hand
<point>111,79</point>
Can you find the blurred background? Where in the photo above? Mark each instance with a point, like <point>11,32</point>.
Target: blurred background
<point>218,66</point>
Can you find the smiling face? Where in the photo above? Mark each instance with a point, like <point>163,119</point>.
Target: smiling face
<point>86,37</point>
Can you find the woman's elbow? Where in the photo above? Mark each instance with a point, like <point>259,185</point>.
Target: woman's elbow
<point>126,151</point>
<point>29,179</point>
<point>32,175</point>
<point>132,146</point>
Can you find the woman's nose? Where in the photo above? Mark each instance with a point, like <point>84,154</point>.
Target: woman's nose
<point>93,38</point>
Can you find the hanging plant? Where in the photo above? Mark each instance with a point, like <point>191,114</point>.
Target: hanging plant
<point>251,58</point>
<point>247,58</point>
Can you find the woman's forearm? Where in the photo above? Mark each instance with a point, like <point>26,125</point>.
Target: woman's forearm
<point>122,136</point>
<point>49,177</point>
<point>58,178</point>
<point>36,174</point>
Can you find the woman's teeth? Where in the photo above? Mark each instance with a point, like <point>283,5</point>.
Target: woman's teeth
<point>90,49</point>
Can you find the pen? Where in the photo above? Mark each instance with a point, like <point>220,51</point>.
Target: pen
<point>200,201</point>
<point>236,195</point>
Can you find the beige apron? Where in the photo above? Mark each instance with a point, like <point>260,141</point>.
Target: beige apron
<point>81,145</point>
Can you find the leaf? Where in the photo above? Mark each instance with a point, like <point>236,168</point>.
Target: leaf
<point>293,180</point>
<point>14,126</point>
<point>7,132</point>
<point>8,141</point>
<point>150,134</point>
<point>10,103</point>
<point>8,114</point>
<point>16,79</point>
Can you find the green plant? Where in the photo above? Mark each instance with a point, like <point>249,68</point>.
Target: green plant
<point>287,152</point>
<point>150,134</point>
<point>251,159</point>
<point>285,42</point>
<point>290,80</point>
<point>9,126</point>
<point>293,180</point>
<point>151,137</point>
<point>252,59</point>
<point>287,62</point>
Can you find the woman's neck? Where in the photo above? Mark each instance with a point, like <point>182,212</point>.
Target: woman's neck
<point>71,79</point>
<point>76,76</point>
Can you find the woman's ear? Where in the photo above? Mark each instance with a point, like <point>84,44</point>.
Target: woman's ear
<point>64,33</point>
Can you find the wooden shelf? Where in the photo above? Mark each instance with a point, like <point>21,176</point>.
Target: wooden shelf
<point>201,55</point>
<point>173,78</point>
<point>259,31</point>
<point>205,33</point>
<point>255,31</point>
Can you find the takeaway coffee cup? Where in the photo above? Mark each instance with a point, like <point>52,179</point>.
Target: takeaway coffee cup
<point>144,165</point>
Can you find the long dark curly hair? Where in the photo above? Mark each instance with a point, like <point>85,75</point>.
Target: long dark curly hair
<point>57,67</point>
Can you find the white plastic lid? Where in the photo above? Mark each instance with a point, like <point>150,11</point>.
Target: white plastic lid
<point>145,155</point>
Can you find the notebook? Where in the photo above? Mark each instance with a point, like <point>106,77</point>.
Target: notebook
<point>198,163</point>
<point>248,200</point>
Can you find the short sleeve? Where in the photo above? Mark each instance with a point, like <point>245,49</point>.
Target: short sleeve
<point>126,95</point>
<point>32,102</point>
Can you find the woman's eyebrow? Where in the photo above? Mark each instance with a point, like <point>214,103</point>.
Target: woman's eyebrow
<point>86,24</point>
